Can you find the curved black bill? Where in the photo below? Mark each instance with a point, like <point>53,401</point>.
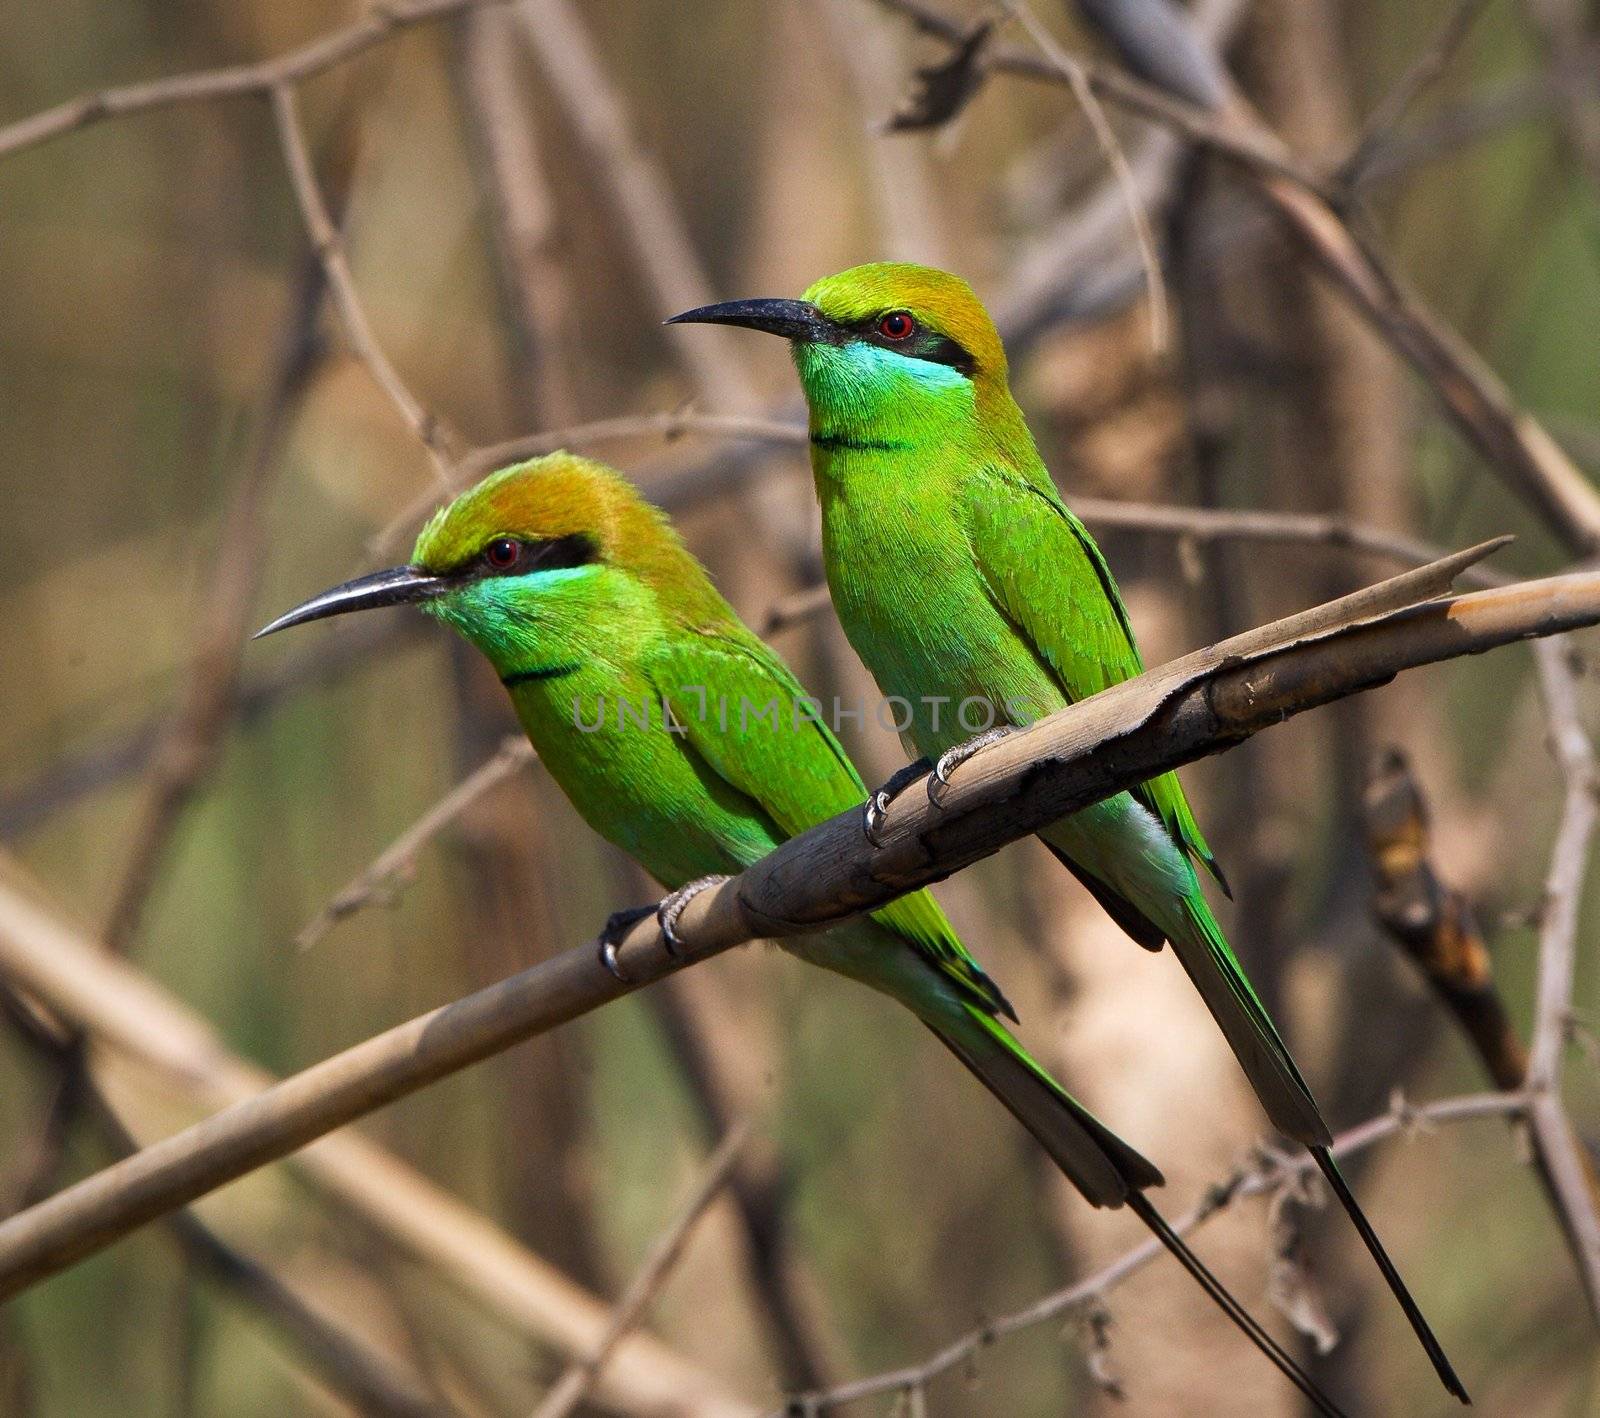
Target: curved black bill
<point>398,585</point>
<point>792,319</point>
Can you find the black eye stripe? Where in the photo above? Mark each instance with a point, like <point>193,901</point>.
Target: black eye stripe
<point>921,343</point>
<point>550,554</point>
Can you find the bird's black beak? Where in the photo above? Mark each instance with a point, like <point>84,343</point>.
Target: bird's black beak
<point>399,585</point>
<point>792,319</point>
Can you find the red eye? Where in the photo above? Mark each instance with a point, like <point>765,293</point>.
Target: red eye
<point>896,325</point>
<point>502,553</point>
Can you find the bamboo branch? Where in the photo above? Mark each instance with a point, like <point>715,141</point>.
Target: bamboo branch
<point>127,1015</point>
<point>1194,706</point>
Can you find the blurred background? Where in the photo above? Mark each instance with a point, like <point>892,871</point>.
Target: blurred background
<point>523,193</point>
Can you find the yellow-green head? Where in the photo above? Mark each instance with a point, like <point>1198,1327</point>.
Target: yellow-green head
<point>890,355</point>
<point>544,566</point>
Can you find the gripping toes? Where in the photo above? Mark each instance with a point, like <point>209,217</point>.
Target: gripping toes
<point>951,759</point>
<point>672,907</point>
<point>878,802</point>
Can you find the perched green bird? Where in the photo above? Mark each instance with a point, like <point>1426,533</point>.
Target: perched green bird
<point>978,601</point>
<point>685,741</point>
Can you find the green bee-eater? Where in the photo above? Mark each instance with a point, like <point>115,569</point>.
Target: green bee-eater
<point>966,584</point>
<point>684,740</point>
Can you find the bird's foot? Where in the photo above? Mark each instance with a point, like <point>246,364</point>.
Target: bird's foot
<point>951,759</point>
<point>878,803</point>
<point>616,927</point>
<point>672,906</point>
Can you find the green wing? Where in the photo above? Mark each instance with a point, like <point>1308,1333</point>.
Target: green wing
<point>748,718</point>
<point>1047,576</point>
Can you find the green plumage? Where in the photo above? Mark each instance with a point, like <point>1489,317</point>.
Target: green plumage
<point>975,596</point>
<point>683,739</point>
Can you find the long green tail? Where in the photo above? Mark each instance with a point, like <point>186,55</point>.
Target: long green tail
<point>1211,964</point>
<point>1099,1163</point>
<point>1214,969</point>
<point>1096,1161</point>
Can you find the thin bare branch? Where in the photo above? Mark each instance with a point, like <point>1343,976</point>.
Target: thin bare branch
<point>1571,1171</point>
<point>329,248</point>
<point>1268,1174</point>
<point>576,1383</point>
<point>336,47</point>
<point>1105,137</point>
<point>1430,62</point>
<point>130,1018</point>
<point>377,883</point>
<point>1199,704</point>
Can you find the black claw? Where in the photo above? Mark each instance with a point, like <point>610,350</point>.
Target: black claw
<point>617,925</point>
<point>669,935</point>
<point>878,803</point>
<point>952,758</point>
<point>872,817</point>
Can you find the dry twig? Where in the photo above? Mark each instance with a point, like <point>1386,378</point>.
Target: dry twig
<point>1571,1171</point>
<point>128,1016</point>
<point>202,86</point>
<point>1161,719</point>
<point>329,248</point>
<point>376,884</point>
<point>577,1382</point>
<point>1266,1177</point>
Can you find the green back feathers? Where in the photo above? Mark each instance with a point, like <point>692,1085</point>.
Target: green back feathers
<point>683,639</point>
